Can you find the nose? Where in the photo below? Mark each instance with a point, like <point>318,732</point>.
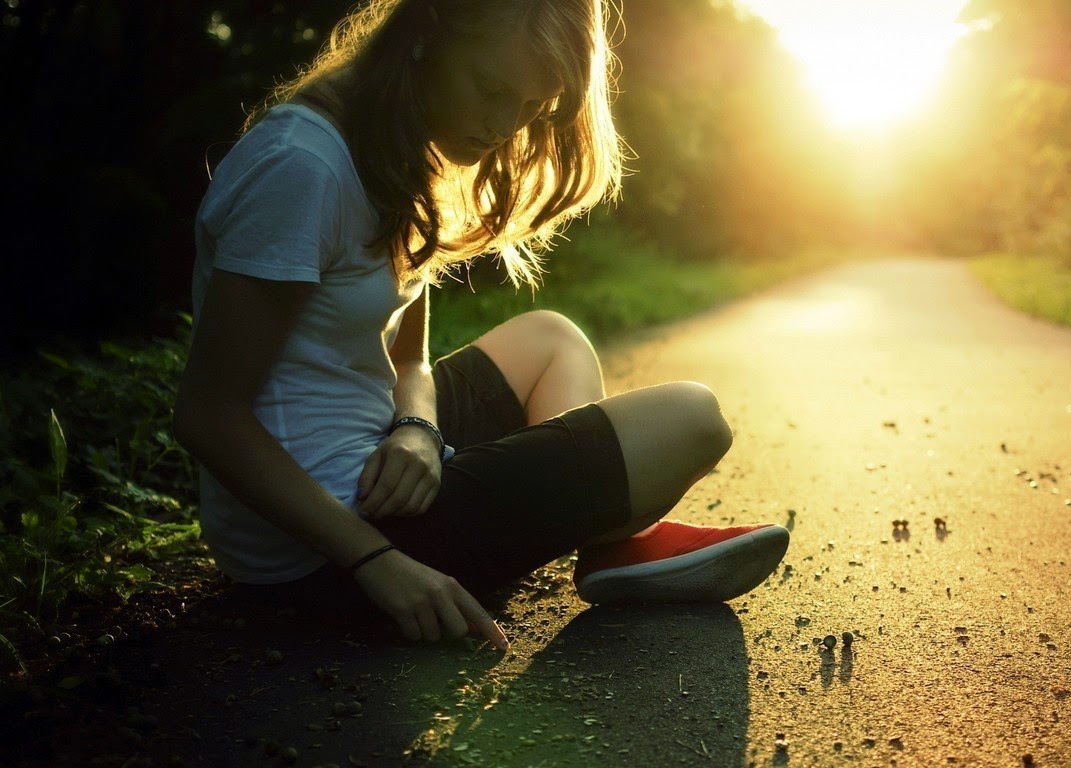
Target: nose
<point>501,124</point>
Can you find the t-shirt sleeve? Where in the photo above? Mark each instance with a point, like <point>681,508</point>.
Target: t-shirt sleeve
<point>279,219</point>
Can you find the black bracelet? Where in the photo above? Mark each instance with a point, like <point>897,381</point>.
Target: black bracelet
<point>370,557</point>
<point>407,420</point>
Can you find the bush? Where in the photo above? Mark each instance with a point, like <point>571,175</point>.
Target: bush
<point>93,487</point>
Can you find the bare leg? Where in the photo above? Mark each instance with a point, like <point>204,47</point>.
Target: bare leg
<point>671,435</point>
<point>547,361</point>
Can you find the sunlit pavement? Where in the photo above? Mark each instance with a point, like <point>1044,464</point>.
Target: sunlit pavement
<point>870,395</point>
<point>875,393</point>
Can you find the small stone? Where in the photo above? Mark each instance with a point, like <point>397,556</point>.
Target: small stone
<point>105,639</point>
<point>939,523</point>
<point>847,638</point>
<point>1028,759</point>
<point>781,742</point>
<point>274,657</point>
<point>830,641</point>
<point>290,755</point>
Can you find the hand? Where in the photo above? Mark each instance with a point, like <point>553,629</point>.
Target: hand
<point>426,605</point>
<point>402,475</point>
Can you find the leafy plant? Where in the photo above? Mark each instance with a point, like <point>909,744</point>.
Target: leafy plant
<point>93,487</point>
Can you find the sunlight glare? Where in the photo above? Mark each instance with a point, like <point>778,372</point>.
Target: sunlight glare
<point>869,61</point>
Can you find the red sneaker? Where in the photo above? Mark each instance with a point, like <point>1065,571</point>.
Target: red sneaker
<point>675,562</point>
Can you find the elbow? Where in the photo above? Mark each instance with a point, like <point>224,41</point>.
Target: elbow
<point>183,421</point>
<point>201,422</point>
<point>195,419</point>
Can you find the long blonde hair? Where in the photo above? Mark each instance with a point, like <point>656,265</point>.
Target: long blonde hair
<point>433,216</point>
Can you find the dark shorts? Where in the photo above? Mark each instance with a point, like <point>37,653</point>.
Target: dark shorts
<point>513,498</point>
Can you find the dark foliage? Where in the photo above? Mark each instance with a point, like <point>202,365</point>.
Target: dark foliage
<point>117,108</point>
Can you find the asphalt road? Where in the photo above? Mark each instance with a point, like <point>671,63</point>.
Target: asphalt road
<point>896,390</point>
<point>872,393</point>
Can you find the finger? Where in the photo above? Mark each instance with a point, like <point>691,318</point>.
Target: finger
<point>485,625</point>
<point>453,623</point>
<point>398,500</point>
<point>409,626</point>
<point>387,478</point>
<point>414,498</point>
<point>369,474</point>
<point>429,624</point>
<point>429,497</point>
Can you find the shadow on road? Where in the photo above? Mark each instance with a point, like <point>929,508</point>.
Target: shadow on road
<point>650,685</point>
<point>223,685</point>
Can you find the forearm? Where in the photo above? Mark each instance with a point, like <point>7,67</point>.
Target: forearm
<point>250,463</point>
<point>414,394</point>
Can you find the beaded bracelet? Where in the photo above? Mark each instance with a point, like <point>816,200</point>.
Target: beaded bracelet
<point>370,557</point>
<point>407,420</point>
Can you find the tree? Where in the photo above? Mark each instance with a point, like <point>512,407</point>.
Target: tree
<point>731,155</point>
<point>998,155</point>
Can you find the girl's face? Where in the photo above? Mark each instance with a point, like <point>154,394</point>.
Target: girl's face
<point>479,92</point>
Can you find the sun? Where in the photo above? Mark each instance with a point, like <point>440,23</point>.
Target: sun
<point>870,62</point>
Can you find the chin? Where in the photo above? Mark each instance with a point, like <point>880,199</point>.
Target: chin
<point>465,160</point>
<point>465,157</point>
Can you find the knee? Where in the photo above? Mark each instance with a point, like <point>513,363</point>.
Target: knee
<point>552,336</point>
<point>556,329</point>
<point>707,430</point>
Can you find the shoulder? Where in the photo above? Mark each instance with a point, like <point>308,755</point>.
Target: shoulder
<point>289,136</point>
<point>294,155</point>
<point>302,129</point>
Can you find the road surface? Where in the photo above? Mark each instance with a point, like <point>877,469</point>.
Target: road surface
<point>869,394</point>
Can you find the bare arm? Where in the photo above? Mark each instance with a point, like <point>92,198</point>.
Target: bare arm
<point>402,476</point>
<point>243,325</point>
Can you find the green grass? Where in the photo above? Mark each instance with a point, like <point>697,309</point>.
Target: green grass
<point>1037,285</point>
<point>609,283</point>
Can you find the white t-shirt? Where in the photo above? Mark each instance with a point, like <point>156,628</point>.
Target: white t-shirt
<point>286,204</point>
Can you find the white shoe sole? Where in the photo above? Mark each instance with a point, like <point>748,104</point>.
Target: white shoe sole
<point>716,573</point>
